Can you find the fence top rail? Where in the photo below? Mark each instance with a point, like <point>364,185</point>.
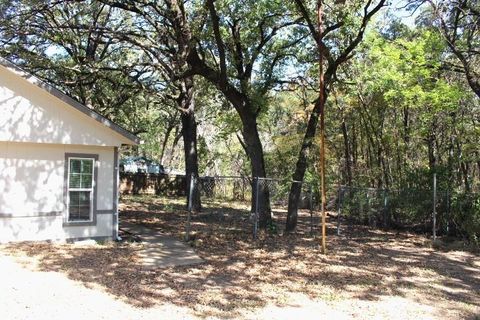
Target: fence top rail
<point>281,180</point>
<point>363,188</point>
<point>226,177</point>
<point>252,179</point>
<point>343,187</point>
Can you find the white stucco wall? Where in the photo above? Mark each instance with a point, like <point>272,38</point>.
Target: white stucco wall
<point>32,191</point>
<point>29,113</point>
<point>50,228</point>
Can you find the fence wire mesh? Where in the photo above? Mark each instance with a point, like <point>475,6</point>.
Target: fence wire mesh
<point>279,192</point>
<point>425,211</point>
<point>241,204</point>
<point>225,188</point>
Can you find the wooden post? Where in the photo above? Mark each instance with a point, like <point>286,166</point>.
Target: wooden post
<point>321,96</point>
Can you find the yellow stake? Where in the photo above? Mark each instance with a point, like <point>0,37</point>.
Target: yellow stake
<point>322,125</point>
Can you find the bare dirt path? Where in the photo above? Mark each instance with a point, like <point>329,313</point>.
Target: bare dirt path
<point>160,250</point>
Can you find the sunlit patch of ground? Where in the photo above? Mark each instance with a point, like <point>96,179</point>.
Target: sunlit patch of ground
<point>367,274</point>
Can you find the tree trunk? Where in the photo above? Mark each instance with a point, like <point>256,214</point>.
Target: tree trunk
<point>406,125</point>
<point>354,146</point>
<point>300,168</point>
<point>431,153</point>
<point>165,141</point>
<point>189,134</point>
<point>176,137</point>
<point>248,113</point>
<point>432,160</point>
<point>465,167</point>
<point>254,150</point>
<point>348,163</point>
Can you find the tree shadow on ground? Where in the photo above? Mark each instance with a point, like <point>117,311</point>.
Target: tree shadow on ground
<point>241,274</point>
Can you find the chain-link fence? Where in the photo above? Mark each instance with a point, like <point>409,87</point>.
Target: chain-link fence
<point>435,212</point>
<point>280,191</point>
<point>399,209</point>
<point>240,203</point>
<point>225,188</point>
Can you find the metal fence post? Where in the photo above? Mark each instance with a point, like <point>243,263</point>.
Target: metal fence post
<point>447,217</point>
<point>257,189</point>
<point>385,209</point>
<point>369,215</point>
<point>339,209</point>
<point>360,202</point>
<point>189,206</point>
<point>310,205</point>
<point>434,227</point>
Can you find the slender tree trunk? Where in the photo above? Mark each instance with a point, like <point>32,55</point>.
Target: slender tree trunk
<point>478,163</point>
<point>354,146</point>
<point>478,173</point>
<point>431,152</point>
<point>465,167</point>
<point>451,150</point>
<point>189,134</point>
<point>385,178</point>
<point>176,137</point>
<point>432,159</point>
<point>300,168</point>
<point>348,163</point>
<point>165,142</point>
<point>406,125</point>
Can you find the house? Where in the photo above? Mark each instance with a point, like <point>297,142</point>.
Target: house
<point>58,163</point>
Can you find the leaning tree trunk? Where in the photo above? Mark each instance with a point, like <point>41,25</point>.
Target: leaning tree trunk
<point>254,149</point>
<point>165,142</point>
<point>189,134</point>
<point>300,168</point>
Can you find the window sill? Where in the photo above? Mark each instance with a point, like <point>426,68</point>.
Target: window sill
<point>79,223</point>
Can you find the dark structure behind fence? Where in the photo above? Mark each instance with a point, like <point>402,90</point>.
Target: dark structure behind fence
<point>148,183</point>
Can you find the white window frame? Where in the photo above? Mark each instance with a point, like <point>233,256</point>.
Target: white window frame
<point>92,190</point>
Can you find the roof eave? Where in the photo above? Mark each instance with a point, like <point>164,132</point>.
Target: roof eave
<point>70,101</point>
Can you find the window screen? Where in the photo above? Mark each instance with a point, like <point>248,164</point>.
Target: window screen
<point>80,189</point>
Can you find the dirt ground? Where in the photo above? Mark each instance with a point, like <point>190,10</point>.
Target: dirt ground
<point>367,274</point>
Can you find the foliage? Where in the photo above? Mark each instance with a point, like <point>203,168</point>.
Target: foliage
<point>402,109</point>
<point>465,214</point>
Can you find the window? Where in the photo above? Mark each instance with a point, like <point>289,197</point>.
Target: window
<point>80,194</point>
